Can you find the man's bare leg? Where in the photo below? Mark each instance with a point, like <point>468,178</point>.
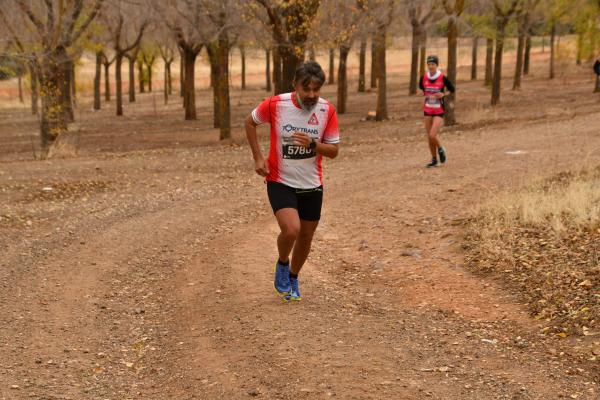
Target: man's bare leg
<point>302,245</point>
<point>289,224</point>
<point>299,256</point>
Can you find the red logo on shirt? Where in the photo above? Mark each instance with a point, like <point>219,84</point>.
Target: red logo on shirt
<point>313,120</point>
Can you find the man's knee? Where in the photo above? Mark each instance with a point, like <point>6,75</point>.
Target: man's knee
<point>290,231</point>
<point>306,234</point>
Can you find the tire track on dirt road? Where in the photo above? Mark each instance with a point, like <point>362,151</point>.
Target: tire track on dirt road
<point>445,334</point>
<point>181,304</point>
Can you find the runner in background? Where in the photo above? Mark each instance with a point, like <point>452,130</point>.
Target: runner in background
<point>433,85</point>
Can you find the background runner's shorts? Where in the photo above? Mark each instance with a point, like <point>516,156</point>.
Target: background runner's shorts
<point>307,201</point>
<point>433,115</point>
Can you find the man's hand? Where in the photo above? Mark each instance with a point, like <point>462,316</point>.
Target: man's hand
<point>438,95</point>
<point>301,139</point>
<point>261,167</point>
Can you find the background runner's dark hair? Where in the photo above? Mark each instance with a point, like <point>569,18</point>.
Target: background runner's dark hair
<point>433,59</point>
<point>309,71</point>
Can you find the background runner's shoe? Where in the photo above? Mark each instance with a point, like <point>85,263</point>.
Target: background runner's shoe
<point>442,153</point>
<point>433,163</point>
<point>282,279</point>
<point>295,293</point>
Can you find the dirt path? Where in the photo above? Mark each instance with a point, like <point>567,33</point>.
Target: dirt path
<point>159,286</point>
<point>375,323</point>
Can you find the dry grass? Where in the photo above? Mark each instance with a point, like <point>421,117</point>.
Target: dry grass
<point>544,242</point>
<point>567,201</point>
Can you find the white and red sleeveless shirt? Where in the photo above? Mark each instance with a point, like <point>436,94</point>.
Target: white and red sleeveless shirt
<point>289,164</point>
<point>433,84</point>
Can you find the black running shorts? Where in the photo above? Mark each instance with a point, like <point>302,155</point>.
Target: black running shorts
<point>307,201</point>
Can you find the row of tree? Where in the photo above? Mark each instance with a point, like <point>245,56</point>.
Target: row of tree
<point>45,39</point>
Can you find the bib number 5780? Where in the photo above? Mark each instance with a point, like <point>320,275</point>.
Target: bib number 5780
<point>294,152</point>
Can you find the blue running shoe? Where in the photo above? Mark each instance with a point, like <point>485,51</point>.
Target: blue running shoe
<point>295,293</point>
<point>442,154</point>
<point>282,279</point>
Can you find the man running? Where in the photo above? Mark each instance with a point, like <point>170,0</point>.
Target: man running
<point>304,128</point>
<point>433,85</point>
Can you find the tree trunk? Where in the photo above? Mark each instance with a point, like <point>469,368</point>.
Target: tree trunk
<point>268,70</point>
<point>181,73</point>
<point>118,62</point>
<point>189,92</point>
<point>381,112</point>
<point>342,87</point>
<point>373,62</point>
<point>449,117</point>
<point>552,46</point>
<point>414,60</point>
<point>73,86</point>
<point>52,124</point>
<point>496,84</point>
<point>54,81</point>
<point>141,77</point>
<point>423,53</point>
<point>97,82</point>
<point>213,79</point>
<point>243,55</point>
<point>527,54</point>
<point>489,61</point>
<point>362,66</point>
<point>331,79</point>
<point>290,59</point>
<point>66,89</point>
<point>213,57</point>
<point>593,38</point>
<point>131,60</point>
<point>311,54</point>
<point>169,79</point>
<point>474,58</point>
<point>223,87</point>
<point>277,80</point>
<point>519,63</point>
<point>543,44</point>
<point>149,71</point>
<point>166,83</point>
<point>106,82</point>
<point>33,78</point>
<point>20,84</point>
<point>579,55</point>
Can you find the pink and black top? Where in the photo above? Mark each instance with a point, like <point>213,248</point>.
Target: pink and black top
<point>431,84</point>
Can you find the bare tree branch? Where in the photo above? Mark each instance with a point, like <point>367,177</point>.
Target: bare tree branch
<point>138,39</point>
<point>49,17</point>
<point>35,20</point>
<point>91,16</point>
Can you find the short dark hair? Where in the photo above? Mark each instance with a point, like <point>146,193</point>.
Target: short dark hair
<point>309,71</point>
<point>433,59</point>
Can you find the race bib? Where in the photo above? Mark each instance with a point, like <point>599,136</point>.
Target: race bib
<point>291,151</point>
<point>433,102</point>
<point>294,152</point>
